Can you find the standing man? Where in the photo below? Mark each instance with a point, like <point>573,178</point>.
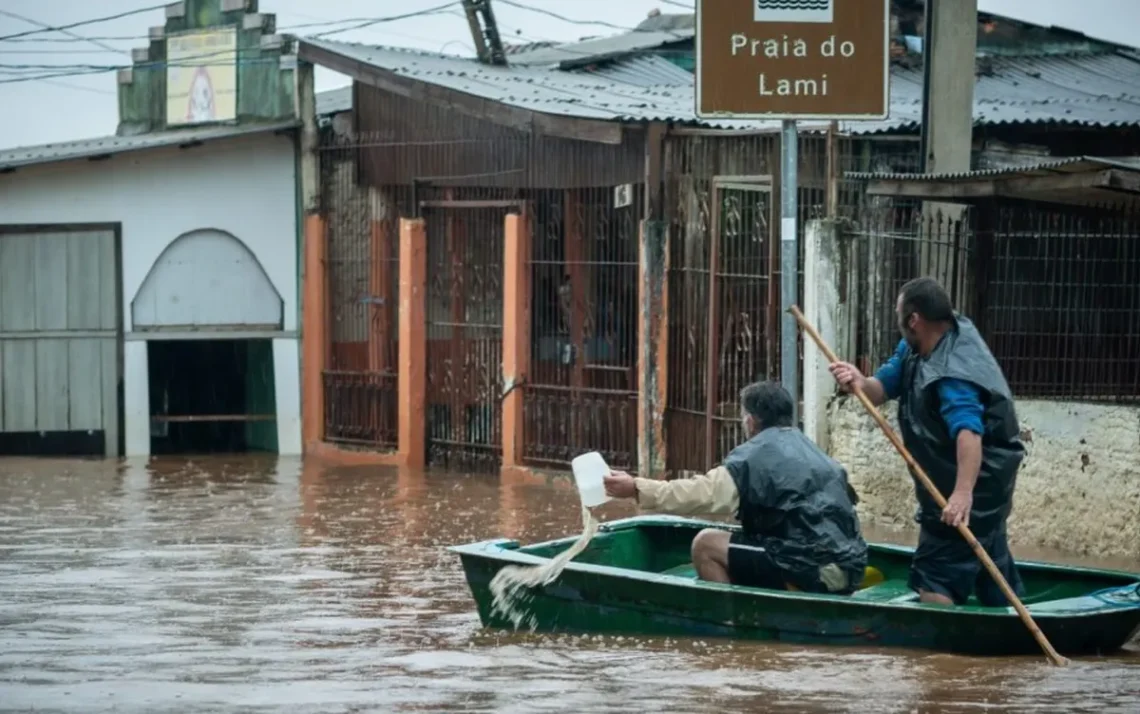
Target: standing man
<point>797,513</point>
<point>957,419</point>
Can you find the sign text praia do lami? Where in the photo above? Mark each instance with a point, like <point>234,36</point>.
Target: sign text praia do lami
<point>792,59</point>
<point>790,47</point>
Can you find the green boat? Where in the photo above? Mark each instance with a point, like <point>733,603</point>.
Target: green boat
<point>636,578</point>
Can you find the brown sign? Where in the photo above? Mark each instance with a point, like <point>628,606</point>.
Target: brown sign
<point>793,59</point>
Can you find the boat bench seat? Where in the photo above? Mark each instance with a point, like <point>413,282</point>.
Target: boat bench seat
<point>889,591</point>
<point>685,570</point>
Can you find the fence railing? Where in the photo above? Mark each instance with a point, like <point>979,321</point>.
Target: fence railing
<point>1061,301</point>
<point>895,244</point>
<point>1054,290</point>
<point>363,284</point>
<point>582,390</point>
<point>360,408</point>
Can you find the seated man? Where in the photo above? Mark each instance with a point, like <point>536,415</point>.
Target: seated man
<point>797,512</point>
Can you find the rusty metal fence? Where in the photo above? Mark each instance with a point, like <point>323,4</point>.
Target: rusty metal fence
<point>363,277</point>
<point>1060,291</point>
<point>721,283</point>
<point>894,243</point>
<point>582,391</point>
<point>465,331</point>
<point>1055,290</point>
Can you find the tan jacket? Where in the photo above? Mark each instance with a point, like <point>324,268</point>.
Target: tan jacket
<point>713,493</point>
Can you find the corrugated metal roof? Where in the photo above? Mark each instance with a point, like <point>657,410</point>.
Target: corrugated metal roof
<point>668,22</point>
<point>334,101</point>
<point>575,94</point>
<point>110,145</point>
<point>1070,165</point>
<point>574,54</point>
<point>641,70</point>
<point>1087,89</point>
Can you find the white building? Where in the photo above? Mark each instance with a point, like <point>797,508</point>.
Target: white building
<point>149,293</point>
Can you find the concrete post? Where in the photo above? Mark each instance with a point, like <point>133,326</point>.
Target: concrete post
<point>949,48</point>
<point>826,307</point>
<point>412,376</point>
<point>652,347</point>
<point>516,335</point>
<point>948,95</point>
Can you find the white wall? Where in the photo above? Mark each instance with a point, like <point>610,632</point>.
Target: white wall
<point>1078,489</point>
<point>244,186</point>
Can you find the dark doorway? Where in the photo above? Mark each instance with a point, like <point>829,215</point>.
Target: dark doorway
<point>211,396</point>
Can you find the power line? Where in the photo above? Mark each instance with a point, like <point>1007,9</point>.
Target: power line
<point>32,21</point>
<point>81,70</point>
<point>392,18</point>
<point>81,23</point>
<point>56,52</point>
<point>360,21</point>
<point>80,87</point>
<point>556,16</point>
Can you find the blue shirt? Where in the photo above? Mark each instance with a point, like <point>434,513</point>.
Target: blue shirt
<point>961,401</point>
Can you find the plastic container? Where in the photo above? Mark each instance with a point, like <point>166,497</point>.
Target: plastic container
<point>589,471</point>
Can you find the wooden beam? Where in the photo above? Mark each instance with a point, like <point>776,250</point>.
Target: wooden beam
<point>1022,185</point>
<point>901,188</point>
<point>597,131</point>
<point>591,130</point>
<point>1118,180</point>
<point>1025,187</point>
<point>654,171</point>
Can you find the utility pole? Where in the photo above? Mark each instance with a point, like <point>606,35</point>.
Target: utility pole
<point>485,32</point>
<point>949,48</point>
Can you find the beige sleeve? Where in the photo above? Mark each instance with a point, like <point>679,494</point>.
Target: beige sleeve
<point>713,493</point>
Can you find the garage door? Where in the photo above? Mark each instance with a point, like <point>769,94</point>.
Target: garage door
<point>59,342</point>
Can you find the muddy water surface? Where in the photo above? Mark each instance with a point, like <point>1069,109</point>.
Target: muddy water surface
<point>244,585</point>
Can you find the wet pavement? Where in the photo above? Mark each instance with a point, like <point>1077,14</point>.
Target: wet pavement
<point>248,585</point>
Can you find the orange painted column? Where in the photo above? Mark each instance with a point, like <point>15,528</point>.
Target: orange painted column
<point>652,347</point>
<point>412,377</point>
<point>314,332</point>
<point>516,334</point>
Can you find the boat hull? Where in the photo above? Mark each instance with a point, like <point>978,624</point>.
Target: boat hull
<point>597,598</point>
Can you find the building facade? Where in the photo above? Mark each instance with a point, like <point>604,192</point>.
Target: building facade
<point>150,279</point>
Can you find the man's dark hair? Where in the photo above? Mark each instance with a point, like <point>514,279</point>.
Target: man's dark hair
<point>928,298</point>
<point>768,403</point>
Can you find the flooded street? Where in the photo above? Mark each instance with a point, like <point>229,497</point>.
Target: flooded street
<point>221,585</point>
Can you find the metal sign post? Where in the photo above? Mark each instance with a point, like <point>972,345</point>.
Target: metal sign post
<point>789,261</point>
<point>820,60</point>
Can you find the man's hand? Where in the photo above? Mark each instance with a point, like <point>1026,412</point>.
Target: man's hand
<point>957,511</point>
<point>619,484</point>
<point>848,376</point>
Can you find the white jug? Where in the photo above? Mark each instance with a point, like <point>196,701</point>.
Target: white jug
<point>589,470</point>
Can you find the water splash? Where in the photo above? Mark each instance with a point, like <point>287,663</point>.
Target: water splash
<point>512,587</point>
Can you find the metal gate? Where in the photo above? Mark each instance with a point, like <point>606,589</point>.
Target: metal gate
<point>581,392</point>
<point>59,341</point>
<point>465,332</point>
<point>724,322</point>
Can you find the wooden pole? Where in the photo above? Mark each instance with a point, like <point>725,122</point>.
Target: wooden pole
<point>920,474</point>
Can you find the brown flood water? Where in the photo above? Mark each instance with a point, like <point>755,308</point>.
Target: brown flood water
<point>243,585</point>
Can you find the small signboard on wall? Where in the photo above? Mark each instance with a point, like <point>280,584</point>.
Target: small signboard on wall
<point>201,77</point>
<point>623,195</point>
